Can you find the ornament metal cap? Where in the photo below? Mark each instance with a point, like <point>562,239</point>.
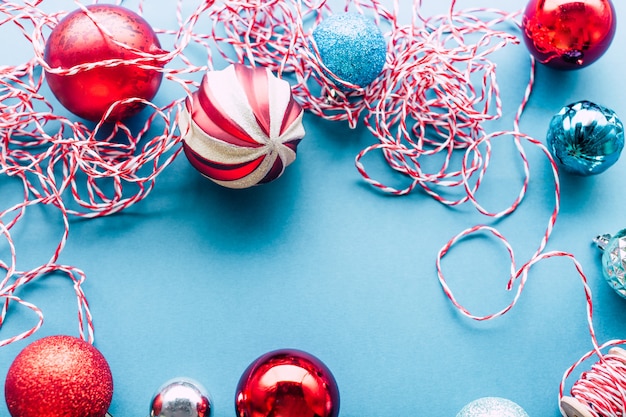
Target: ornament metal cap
<point>602,241</point>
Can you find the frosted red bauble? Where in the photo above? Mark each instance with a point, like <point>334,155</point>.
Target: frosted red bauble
<point>77,40</point>
<point>287,383</point>
<point>59,376</point>
<point>568,34</point>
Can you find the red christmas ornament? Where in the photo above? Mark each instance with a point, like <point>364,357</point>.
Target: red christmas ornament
<point>287,383</point>
<point>59,376</point>
<point>77,40</point>
<point>242,127</point>
<point>568,34</point>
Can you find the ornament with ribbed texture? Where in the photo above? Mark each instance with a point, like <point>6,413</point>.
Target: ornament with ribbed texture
<point>585,138</point>
<point>242,126</point>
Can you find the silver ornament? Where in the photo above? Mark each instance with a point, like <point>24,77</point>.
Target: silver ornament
<point>614,260</point>
<point>181,397</point>
<point>492,407</point>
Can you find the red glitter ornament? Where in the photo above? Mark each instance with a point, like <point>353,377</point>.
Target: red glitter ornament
<point>287,383</point>
<point>568,34</point>
<point>59,376</point>
<point>77,40</point>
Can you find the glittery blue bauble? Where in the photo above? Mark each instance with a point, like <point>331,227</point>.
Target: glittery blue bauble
<point>352,47</point>
<point>585,138</point>
<point>492,407</point>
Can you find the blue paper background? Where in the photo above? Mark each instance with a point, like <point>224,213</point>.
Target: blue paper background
<point>198,280</point>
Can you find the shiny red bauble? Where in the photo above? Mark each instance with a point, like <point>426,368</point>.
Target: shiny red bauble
<point>287,383</point>
<point>568,34</point>
<point>76,40</point>
<point>59,376</point>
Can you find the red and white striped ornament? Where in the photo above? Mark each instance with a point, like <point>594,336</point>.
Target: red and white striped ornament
<point>242,126</point>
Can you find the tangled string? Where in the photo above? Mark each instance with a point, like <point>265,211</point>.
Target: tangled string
<point>83,171</point>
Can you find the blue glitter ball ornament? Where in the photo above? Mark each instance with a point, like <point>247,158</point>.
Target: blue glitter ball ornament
<point>585,138</point>
<point>352,47</point>
<point>492,407</point>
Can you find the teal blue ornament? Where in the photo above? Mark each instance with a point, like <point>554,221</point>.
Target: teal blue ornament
<point>352,47</point>
<point>585,138</point>
<point>614,260</point>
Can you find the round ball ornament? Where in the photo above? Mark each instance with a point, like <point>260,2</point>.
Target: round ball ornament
<point>614,260</point>
<point>59,376</point>
<point>287,383</point>
<point>568,34</point>
<point>241,127</point>
<point>77,40</point>
<point>181,397</point>
<point>585,138</point>
<point>351,47</point>
<point>492,407</point>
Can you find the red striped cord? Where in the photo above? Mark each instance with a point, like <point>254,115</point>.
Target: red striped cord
<point>80,170</point>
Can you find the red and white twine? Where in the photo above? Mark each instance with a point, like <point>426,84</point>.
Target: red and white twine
<point>80,170</point>
<point>436,92</point>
